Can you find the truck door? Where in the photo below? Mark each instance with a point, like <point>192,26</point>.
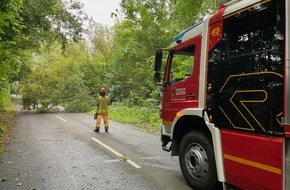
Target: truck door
<point>181,79</point>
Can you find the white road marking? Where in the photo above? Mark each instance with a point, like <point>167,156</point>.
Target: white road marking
<point>61,118</point>
<point>117,153</point>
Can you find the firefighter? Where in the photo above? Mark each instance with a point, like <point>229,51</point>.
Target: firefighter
<point>102,110</point>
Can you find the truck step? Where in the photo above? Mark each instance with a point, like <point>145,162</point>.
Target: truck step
<point>166,148</point>
<point>166,145</point>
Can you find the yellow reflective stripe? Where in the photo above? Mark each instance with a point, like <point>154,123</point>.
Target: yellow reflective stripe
<point>253,164</point>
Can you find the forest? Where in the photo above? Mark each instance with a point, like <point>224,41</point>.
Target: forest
<point>53,54</point>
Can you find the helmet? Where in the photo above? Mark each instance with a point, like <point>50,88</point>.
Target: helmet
<point>102,90</point>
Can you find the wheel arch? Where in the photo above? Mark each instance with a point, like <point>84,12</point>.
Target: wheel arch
<point>197,120</point>
<point>185,124</point>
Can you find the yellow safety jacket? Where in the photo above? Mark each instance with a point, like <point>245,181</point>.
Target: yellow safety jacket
<point>102,104</point>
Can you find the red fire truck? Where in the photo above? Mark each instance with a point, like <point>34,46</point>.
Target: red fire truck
<point>225,97</point>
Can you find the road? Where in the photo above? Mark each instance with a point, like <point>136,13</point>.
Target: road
<point>60,151</point>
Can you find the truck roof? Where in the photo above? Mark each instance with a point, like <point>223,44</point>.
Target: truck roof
<point>196,29</point>
<point>236,5</point>
<point>187,34</point>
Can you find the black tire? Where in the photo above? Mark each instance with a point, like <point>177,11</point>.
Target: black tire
<point>197,163</point>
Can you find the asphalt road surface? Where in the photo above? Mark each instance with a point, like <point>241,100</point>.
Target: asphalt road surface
<point>60,151</point>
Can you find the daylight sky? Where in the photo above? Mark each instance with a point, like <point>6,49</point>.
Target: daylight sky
<point>101,10</point>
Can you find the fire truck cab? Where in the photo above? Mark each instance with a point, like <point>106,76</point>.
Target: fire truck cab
<point>225,103</point>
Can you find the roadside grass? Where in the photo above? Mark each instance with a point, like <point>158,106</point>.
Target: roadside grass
<point>141,117</point>
<point>7,119</point>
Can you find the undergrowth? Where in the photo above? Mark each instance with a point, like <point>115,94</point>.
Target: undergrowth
<point>142,117</point>
<point>7,119</point>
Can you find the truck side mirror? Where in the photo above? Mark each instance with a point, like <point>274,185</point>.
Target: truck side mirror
<point>157,77</point>
<point>158,60</point>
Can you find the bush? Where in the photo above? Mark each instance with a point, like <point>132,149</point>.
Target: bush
<point>2,129</point>
<point>143,117</point>
<point>4,98</point>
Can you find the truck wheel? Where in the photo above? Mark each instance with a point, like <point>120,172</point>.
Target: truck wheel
<point>197,163</point>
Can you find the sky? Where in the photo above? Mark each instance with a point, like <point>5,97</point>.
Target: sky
<point>101,10</point>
